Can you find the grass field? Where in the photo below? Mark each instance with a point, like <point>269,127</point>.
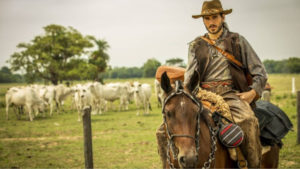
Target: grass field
<point>120,139</point>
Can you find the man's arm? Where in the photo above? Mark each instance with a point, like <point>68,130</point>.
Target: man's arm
<point>192,65</point>
<point>252,62</point>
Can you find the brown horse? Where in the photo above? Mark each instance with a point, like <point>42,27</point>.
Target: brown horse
<point>191,132</point>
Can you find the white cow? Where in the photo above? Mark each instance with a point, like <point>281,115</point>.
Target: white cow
<point>61,93</point>
<point>98,101</point>
<point>125,92</point>
<point>111,94</point>
<point>47,93</point>
<point>82,97</point>
<point>142,94</point>
<point>26,97</point>
<point>159,93</point>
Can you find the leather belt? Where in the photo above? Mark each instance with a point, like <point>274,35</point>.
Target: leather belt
<point>207,85</point>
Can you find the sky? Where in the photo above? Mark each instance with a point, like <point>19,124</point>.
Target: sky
<point>137,30</point>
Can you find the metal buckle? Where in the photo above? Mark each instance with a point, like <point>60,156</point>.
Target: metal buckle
<point>242,164</point>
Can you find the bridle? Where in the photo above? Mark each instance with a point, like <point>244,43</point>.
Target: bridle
<point>171,136</point>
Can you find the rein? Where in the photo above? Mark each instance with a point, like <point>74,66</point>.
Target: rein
<point>171,145</point>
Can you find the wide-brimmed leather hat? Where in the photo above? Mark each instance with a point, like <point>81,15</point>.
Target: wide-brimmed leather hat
<point>211,8</point>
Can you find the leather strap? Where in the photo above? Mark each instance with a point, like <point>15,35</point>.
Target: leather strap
<point>226,54</point>
<point>241,161</point>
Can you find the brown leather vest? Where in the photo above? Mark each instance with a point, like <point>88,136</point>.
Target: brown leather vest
<point>231,44</point>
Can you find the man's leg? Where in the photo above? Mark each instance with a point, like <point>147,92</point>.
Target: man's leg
<point>245,118</point>
<point>251,147</point>
<point>162,144</point>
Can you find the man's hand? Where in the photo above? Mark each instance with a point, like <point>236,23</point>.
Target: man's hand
<point>247,96</point>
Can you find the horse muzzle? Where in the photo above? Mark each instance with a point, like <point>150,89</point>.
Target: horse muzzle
<point>187,160</point>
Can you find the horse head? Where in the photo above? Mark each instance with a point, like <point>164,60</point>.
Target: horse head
<point>181,112</point>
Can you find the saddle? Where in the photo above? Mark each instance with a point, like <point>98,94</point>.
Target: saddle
<point>174,73</point>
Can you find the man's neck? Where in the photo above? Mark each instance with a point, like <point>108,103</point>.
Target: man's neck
<point>215,36</point>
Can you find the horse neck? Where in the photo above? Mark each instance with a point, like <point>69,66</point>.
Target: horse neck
<point>205,137</point>
<point>221,155</point>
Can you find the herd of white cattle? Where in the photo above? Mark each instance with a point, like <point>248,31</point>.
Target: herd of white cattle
<point>34,99</point>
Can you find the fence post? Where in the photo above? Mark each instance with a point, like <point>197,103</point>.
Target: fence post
<point>87,133</point>
<point>293,85</point>
<point>298,117</point>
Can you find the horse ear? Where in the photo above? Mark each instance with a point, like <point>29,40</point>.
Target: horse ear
<point>194,81</point>
<point>165,83</point>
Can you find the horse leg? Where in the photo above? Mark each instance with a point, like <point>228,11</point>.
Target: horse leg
<point>271,158</point>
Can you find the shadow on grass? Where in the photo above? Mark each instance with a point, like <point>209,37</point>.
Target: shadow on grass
<point>150,115</point>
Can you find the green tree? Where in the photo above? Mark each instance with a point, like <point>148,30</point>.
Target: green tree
<point>175,62</point>
<point>6,76</point>
<point>293,65</point>
<point>48,55</point>
<point>99,57</point>
<point>83,71</point>
<point>149,68</point>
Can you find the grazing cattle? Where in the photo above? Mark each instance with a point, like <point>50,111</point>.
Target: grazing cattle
<point>142,94</point>
<point>159,93</point>
<point>24,97</point>
<point>61,93</point>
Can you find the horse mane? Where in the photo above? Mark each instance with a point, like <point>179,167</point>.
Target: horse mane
<point>205,115</point>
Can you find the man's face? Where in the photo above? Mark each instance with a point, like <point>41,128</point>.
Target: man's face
<point>213,23</point>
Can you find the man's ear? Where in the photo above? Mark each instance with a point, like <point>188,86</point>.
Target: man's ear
<point>165,83</point>
<point>223,16</point>
<point>194,81</point>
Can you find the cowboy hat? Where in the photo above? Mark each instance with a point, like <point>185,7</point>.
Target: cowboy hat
<point>211,8</point>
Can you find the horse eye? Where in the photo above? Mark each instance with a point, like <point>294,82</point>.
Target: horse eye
<point>168,114</point>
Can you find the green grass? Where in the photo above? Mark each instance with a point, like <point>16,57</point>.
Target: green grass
<point>120,139</point>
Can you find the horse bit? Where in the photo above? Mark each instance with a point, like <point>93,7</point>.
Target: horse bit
<point>171,145</point>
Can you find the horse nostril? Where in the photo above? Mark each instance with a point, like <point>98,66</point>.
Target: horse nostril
<point>182,160</point>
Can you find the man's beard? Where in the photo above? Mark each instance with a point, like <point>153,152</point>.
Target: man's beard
<point>218,29</point>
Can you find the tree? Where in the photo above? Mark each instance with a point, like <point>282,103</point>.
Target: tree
<point>149,68</point>
<point>293,65</point>
<point>175,62</point>
<point>48,55</point>
<point>7,77</point>
<point>99,57</point>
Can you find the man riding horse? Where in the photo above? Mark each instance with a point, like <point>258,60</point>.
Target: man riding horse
<point>222,59</point>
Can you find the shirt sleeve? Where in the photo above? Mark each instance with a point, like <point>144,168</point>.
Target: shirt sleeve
<point>192,65</point>
<point>252,62</point>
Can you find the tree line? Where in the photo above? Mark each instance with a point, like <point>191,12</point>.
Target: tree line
<point>63,53</point>
<point>147,70</point>
<point>290,65</point>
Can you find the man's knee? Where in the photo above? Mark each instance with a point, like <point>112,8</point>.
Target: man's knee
<point>249,122</point>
